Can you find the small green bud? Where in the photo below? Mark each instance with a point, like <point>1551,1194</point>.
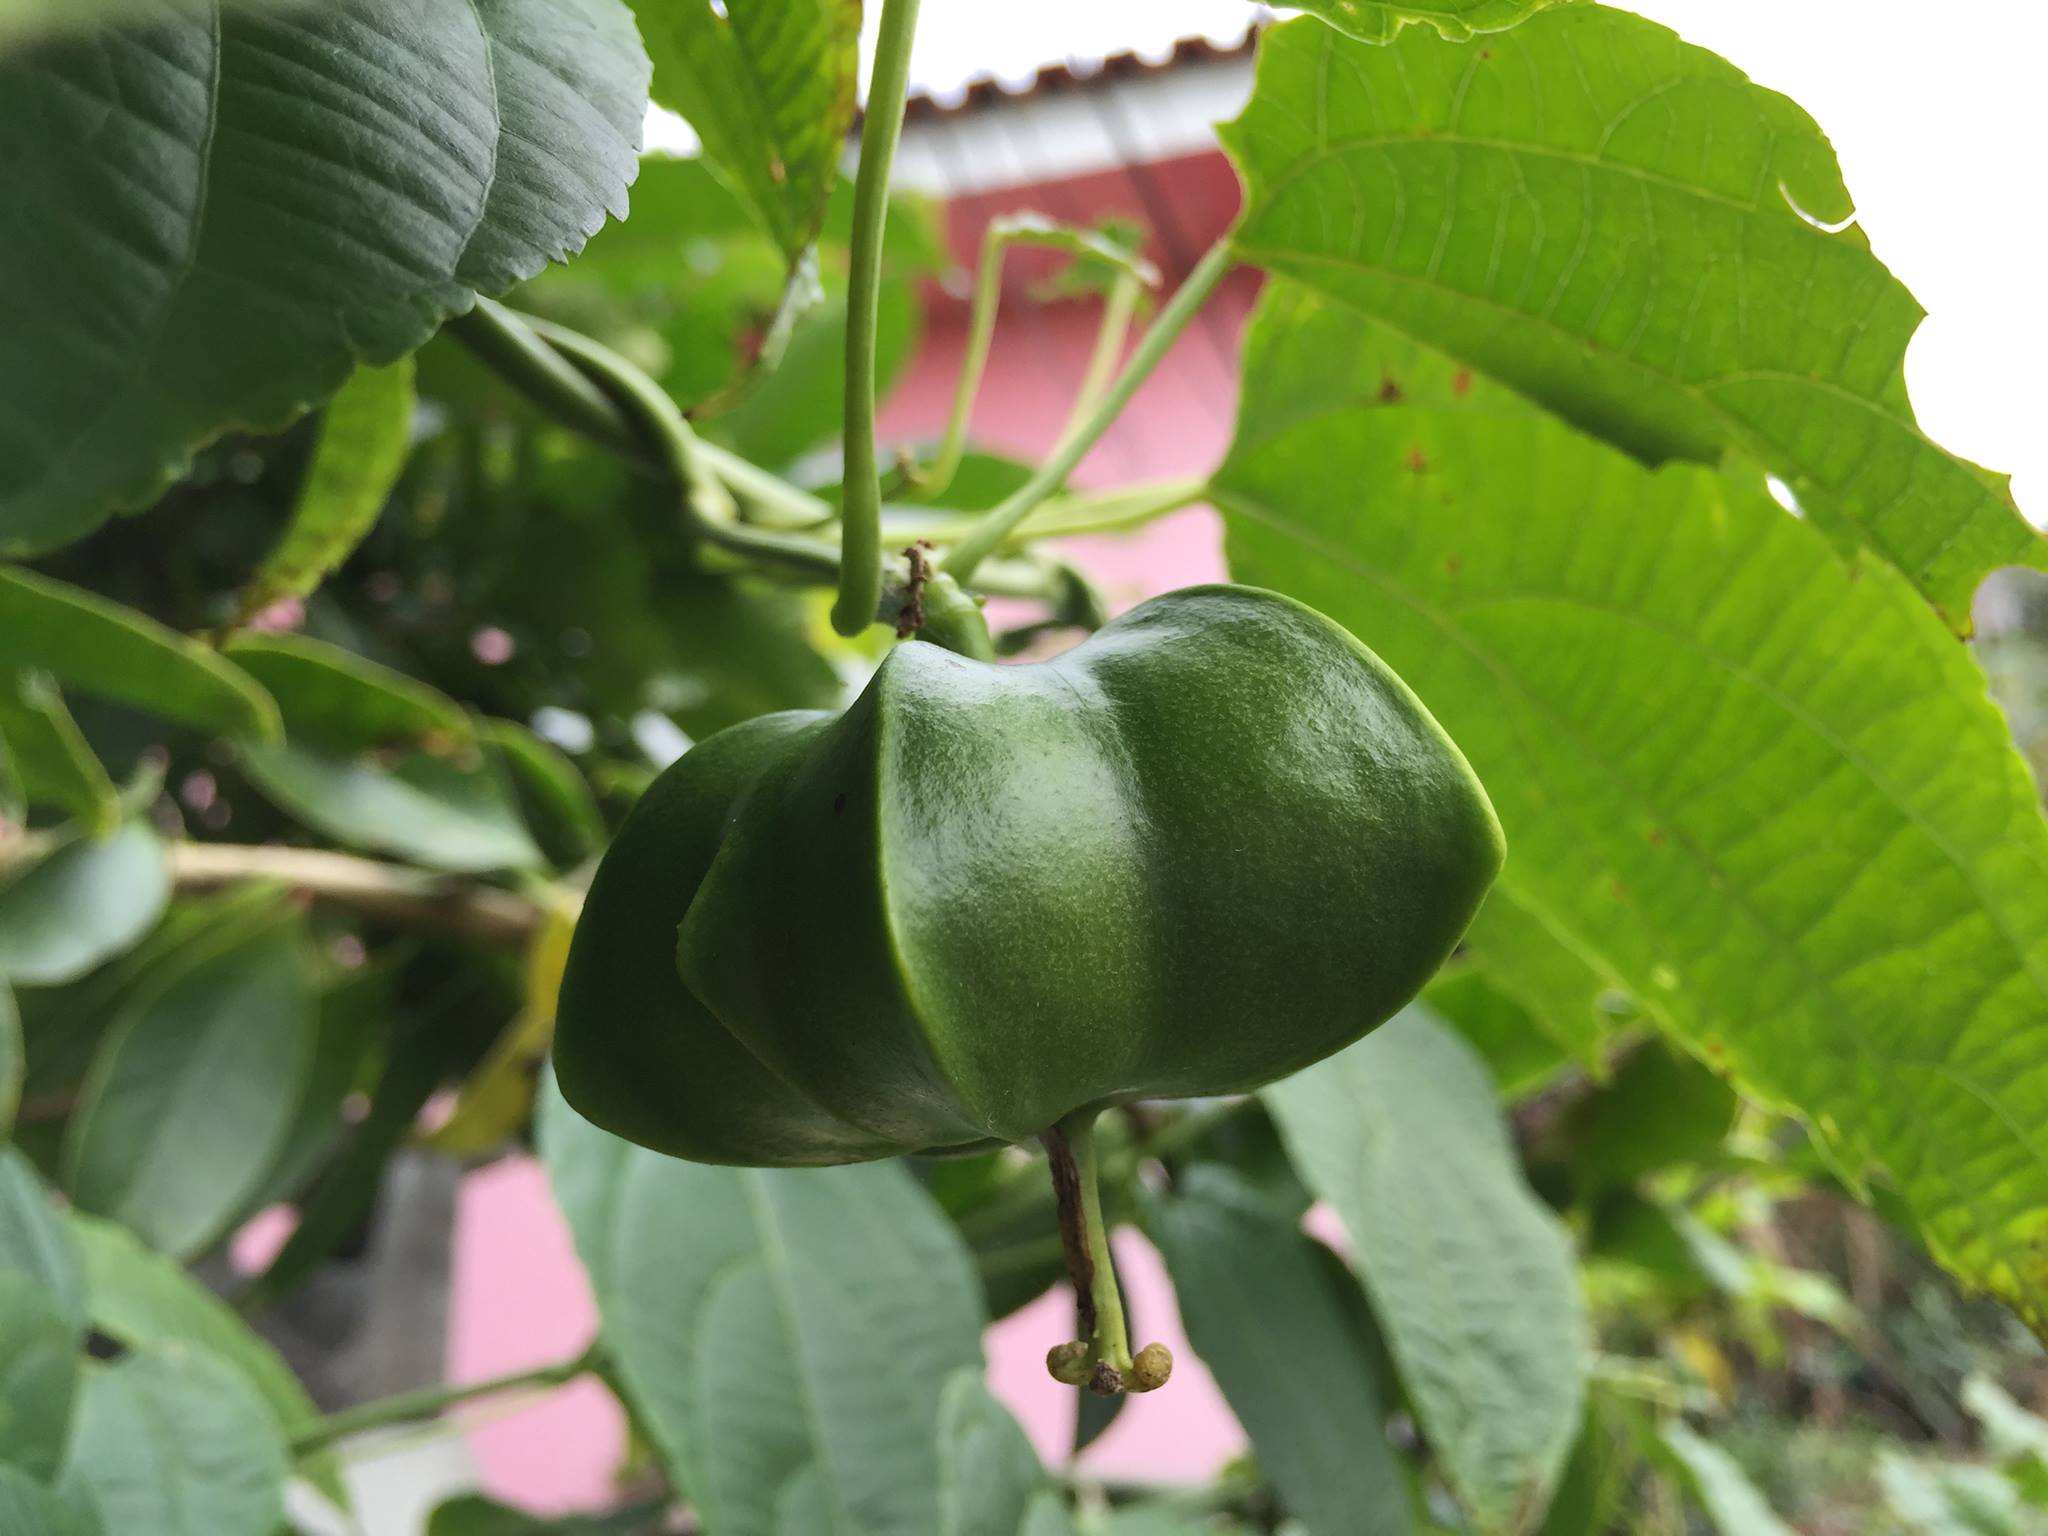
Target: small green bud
<point>1068,1363</point>
<point>1150,1369</point>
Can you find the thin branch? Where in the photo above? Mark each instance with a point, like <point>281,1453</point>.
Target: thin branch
<point>860,526</point>
<point>996,526</point>
<point>395,893</point>
<point>430,1402</point>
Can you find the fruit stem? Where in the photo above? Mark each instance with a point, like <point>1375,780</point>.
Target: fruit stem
<point>1070,1146</point>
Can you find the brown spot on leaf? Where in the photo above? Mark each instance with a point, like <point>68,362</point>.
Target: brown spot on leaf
<point>1461,382</point>
<point>1390,390</point>
<point>1656,837</point>
<point>1620,890</point>
<point>1418,463</point>
<point>1454,565</point>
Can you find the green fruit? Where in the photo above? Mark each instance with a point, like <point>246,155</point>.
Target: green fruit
<point>1215,843</point>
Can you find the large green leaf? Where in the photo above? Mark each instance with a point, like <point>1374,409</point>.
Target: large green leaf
<point>33,1241</point>
<point>50,759</point>
<point>336,701</point>
<point>25,20</point>
<point>431,810</point>
<point>29,1508</point>
<point>1375,21</point>
<point>770,90</point>
<point>83,902</point>
<point>38,1375</point>
<point>1732,1501</point>
<point>192,1094</point>
<point>990,1480</point>
<point>784,1335</point>
<point>1648,247</point>
<point>145,1301</point>
<point>1767,790</point>
<point>234,209</point>
<point>112,652</point>
<point>1471,1278</point>
<point>1562,988</point>
<point>1293,1363</point>
<point>174,1443</point>
<point>365,435</point>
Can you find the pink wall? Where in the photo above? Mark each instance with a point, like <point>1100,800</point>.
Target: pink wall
<point>520,1299</point>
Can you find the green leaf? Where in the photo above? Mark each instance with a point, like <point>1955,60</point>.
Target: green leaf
<point>770,91</point>
<point>336,701</point>
<point>1767,791</point>
<point>27,1508</point>
<point>438,1039</point>
<point>1376,21</point>
<point>1520,1054</point>
<point>1294,1367</point>
<point>2009,1430</point>
<point>1731,1499</point>
<point>193,1092</point>
<point>553,783</point>
<point>1641,247</point>
<point>174,1443</point>
<point>1599,1481</point>
<point>1930,1499</point>
<point>145,1301</point>
<point>365,435</point>
<point>38,1376</point>
<point>23,21</point>
<point>800,405</point>
<point>1471,1277</point>
<point>784,1335</point>
<point>80,904</point>
<point>1564,989</point>
<point>686,286</point>
<point>1659,1110</point>
<point>237,209</point>
<point>11,1063</point>
<point>51,761</point>
<point>112,652</point>
<point>426,809</point>
<point>990,1480</point>
<point>33,1241</point>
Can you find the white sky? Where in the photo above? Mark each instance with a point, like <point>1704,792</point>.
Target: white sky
<point>1939,112</point>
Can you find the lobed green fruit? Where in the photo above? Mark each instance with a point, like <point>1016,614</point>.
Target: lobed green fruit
<point>1215,843</point>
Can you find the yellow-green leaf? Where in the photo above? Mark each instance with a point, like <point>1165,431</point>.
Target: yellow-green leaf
<point>1764,789</point>
<point>365,434</point>
<point>101,648</point>
<point>770,90</point>
<point>49,757</point>
<point>1627,230</point>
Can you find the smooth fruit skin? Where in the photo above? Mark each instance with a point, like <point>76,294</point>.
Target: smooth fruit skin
<point>1218,841</point>
<point>633,1049</point>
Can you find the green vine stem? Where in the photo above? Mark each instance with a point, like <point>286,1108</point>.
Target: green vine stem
<point>1118,309</point>
<point>511,348</point>
<point>430,1402</point>
<point>860,545</point>
<point>1101,1359</point>
<point>990,533</point>
<point>1029,229</point>
<point>590,389</point>
<point>1065,517</point>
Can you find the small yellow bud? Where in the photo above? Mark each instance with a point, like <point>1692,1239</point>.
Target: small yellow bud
<point>1154,1363</point>
<point>1069,1363</point>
